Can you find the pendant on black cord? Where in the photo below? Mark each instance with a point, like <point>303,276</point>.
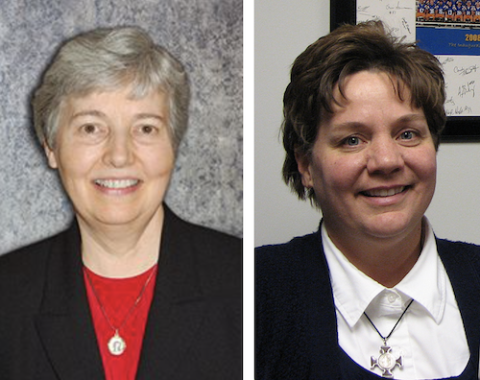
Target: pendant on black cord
<point>116,345</point>
<point>386,361</point>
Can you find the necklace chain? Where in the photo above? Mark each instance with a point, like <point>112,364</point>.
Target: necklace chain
<point>394,327</point>
<point>130,311</point>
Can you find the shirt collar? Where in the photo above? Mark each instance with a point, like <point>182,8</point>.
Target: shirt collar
<point>353,290</point>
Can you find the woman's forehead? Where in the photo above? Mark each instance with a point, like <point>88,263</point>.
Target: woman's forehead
<point>367,82</point>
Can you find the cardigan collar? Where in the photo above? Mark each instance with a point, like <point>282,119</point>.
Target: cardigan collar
<point>318,297</point>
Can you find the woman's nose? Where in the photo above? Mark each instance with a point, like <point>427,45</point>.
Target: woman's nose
<point>119,151</point>
<point>385,156</point>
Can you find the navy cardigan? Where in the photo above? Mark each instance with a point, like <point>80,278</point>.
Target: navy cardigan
<point>295,321</point>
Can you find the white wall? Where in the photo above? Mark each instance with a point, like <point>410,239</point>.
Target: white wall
<point>455,209</point>
<point>283,29</point>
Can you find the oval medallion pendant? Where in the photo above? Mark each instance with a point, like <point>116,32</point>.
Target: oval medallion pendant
<point>116,345</point>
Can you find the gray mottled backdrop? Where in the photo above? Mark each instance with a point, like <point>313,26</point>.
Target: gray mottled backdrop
<point>206,35</point>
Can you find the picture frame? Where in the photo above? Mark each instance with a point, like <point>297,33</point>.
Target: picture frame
<point>459,128</point>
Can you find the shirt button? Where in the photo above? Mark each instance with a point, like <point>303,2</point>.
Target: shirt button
<point>392,297</point>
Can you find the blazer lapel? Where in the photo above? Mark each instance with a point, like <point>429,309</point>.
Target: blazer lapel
<point>177,308</point>
<point>64,323</point>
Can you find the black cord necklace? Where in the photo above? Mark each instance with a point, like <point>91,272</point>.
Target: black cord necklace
<point>386,361</point>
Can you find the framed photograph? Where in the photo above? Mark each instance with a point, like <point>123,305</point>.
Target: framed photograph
<point>448,29</point>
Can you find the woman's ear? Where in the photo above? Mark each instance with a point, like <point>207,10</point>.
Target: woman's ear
<point>304,167</point>
<point>50,153</point>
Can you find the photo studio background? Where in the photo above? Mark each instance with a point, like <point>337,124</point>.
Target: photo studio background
<point>206,36</point>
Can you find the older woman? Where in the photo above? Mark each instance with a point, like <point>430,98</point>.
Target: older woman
<point>373,292</point>
<point>129,291</point>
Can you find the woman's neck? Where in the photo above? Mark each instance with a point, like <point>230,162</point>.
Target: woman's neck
<point>386,260</point>
<point>121,251</point>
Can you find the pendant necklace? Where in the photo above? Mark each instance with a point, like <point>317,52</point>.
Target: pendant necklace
<point>116,344</point>
<point>387,361</point>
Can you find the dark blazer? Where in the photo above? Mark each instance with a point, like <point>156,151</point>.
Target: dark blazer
<point>296,327</point>
<point>194,329</point>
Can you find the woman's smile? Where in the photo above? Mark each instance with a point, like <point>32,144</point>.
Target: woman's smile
<point>387,199</point>
<point>117,187</point>
<point>384,192</point>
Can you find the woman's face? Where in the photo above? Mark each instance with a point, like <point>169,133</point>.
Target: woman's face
<point>114,155</point>
<point>373,165</point>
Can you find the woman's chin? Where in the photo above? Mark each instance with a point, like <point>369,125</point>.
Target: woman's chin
<point>392,225</point>
<point>113,217</point>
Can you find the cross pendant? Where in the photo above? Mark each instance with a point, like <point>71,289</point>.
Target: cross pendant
<point>386,361</point>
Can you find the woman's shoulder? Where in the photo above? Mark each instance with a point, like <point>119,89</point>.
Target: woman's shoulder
<point>21,260</point>
<point>291,261</point>
<point>298,246</point>
<point>458,248</point>
<point>22,274</point>
<point>205,236</point>
<point>217,255</point>
<point>451,244</point>
<point>216,249</point>
<point>213,236</point>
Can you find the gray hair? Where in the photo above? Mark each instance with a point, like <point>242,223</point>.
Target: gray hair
<point>107,60</point>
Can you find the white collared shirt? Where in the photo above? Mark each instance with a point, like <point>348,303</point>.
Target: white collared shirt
<point>430,338</point>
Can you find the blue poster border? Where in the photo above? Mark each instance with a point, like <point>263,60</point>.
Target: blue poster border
<point>449,41</point>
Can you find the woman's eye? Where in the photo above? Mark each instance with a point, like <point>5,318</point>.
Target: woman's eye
<point>407,135</point>
<point>89,129</point>
<point>352,141</point>
<point>147,129</point>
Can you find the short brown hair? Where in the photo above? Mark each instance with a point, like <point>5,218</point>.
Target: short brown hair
<point>326,63</point>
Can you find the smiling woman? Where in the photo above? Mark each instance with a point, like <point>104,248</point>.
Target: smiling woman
<point>129,289</point>
<point>373,291</point>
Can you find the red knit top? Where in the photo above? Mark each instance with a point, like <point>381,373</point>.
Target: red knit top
<point>118,296</point>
